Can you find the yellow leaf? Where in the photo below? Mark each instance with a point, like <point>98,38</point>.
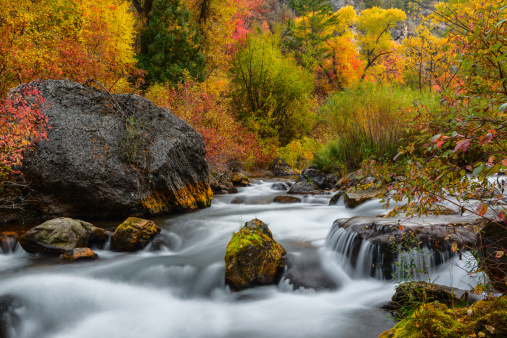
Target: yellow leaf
<point>454,247</point>
<point>499,254</point>
<point>478,289</point>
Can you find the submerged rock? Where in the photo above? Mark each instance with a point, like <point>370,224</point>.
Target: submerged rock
<point>281,186</point>
<point>281,168</point>
<point>240,179</point>
<point>110,156</point>
<point>302,187</point>
<point>253,257</point>
<point>133,234</point>
<point>353,199</point>
<point>79,254</point>
<point>286,199</point>
<point>62,234</point>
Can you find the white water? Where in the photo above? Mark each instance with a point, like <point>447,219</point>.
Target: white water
<point>180,291</point>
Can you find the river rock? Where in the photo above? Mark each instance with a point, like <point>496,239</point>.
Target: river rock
<point>302,187</point>
<point>434,233</point>
<point>62,234</point>
<point>9,315</point>
<point>306,271</point>
<point>315,176</point>
<point>79,254</point>
<point>253,257</point>
<point>8,241</point>
<point>133,234</point>
<point>239,179</point>
<point>281,186</point>
<point>286,199</point>
<point>113,155</point>
<point>353,199</point>
<point>336,197</point>
<point>281,168</point>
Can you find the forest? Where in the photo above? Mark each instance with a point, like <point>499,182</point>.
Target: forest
<point>412,93</point>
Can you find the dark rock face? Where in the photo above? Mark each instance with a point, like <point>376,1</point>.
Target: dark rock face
<point>306,272</point>
<point>104,161</point>
<point>253,257</point>
<point>281,168</point>
<point>493,243</point>
<point>336,197</point>
<point>315,176</point>
<point>133,234</point>
<point>9,317</point>
<point>79,254</point>
<point>62,234</point>
<point>286,199</point>
<point>302,188</point>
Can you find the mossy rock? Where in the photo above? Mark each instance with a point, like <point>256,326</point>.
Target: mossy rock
<point>239,179</point>
<point>133,234</point>
<point>79,254</point>
<point>353,199</point>
<point>486,318</point>
<point>253,257</point>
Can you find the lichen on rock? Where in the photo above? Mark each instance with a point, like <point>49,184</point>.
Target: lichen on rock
<point>253,257</point>
<point>133,234</point>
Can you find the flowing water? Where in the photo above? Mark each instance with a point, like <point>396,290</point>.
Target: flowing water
<point>180,291</point>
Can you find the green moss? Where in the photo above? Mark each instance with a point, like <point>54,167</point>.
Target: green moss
<point>483,319</point>
<point>244,238</point>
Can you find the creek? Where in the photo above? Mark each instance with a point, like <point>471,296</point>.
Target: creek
<point>180,291</point>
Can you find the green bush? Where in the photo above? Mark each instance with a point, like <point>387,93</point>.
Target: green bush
<point>367,121</point>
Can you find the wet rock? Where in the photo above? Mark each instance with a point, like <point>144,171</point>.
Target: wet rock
<point>315,176</point>
<point>239,179</point>
<point>238,200</point>
<point>351,179</point>
<point>281,186</point>
<point>493,245</point>
<point>336,197</point>
<point>389,239</point>
<point>302,187</point>
<point>133,234</point>
<point>286,199</point>
<point>353,199</point>
<point>306,271</point>
<point>8,241</point>
<point>62,234</point>
<point>253,257</point>
<point>9,317</point>
<point>91,166</point>
<point>281,168</point>
<point>79,254</point>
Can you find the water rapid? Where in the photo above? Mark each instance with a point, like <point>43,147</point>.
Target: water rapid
<point>180,291</point>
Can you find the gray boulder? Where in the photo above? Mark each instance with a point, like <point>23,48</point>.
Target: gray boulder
<point>279,167</point>
<point>315,176</point>
<point>62,234</point>
<point>113,155</point>
<point>302,188</point>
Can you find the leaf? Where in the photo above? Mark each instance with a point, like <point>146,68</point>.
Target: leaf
<point>503,107</point>
<point>499,254</point>
<point>462,145</point>
<point>487,138</point>
<point>478,170</point>
<point>490,328</point>
<point>478,289</point>
<point>481,209</point>
<point>454,247</point>
<point>402,227</point>
<point>436,137</point>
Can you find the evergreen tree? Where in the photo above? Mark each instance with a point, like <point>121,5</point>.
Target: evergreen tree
<point>170,44</point>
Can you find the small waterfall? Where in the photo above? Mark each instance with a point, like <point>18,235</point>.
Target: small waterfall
<point>107,245</point>
<point>371,260</point>
<point>9,242</point>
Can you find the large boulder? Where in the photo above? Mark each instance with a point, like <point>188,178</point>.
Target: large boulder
<point>253,257</point>
<point>133,234</point>
<point>113,155</point>
<point>62,234</point>
<point>315,176</point>
<point>281,168</point>
<point>303,187</point>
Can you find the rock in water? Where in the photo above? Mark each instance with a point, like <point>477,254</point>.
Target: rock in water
<point>286,199</point>
<point>112,156</point>
<point>240,179</point>
<point>61,234</point>
<point>279,167</point>
<point>133,234</point>
<point>253,257</point>
<point>79,254</point>
<point>302,188</point>
<point>315,176</point>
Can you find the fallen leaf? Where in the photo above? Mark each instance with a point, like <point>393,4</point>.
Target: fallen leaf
<point>454,247</point>
<point>499,254</point>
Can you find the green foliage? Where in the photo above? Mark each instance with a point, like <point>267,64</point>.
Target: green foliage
<point>170,44</point>
<point>270,92</point>
<point>367,121</point>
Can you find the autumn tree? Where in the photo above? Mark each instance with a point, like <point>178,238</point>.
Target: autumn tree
<point>170,44</point>
<point>374,34</point>
<point>269,90</point>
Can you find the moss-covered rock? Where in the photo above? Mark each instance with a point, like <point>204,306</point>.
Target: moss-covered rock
<point>486,318</point>
<point>133,234</point>
<point>79,254</point>
<point>239,179</point>
<point>61,234</point>
<point>353,199</point>
<point>253,257</point>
